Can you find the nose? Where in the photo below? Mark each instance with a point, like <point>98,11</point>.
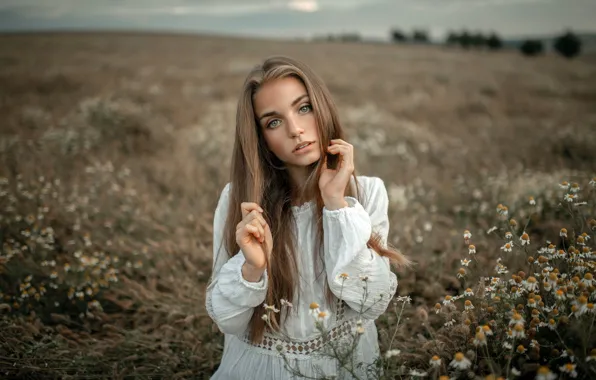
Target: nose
<point>294,128</point>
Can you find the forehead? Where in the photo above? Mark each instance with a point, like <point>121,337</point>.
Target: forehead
<point>277,94</point>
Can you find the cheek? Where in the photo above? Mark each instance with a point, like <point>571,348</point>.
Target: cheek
<point>274,144</point>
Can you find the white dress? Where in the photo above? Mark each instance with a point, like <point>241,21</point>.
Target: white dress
<point>230,298</point>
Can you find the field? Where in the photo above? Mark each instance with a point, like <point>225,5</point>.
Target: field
<point>122,142</point>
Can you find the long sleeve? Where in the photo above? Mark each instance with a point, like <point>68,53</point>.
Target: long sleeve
<point>346,233</point>
<point>230,298</point>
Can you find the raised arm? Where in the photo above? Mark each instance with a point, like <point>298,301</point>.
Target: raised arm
<point>346,233</point>
<point>230,297</point>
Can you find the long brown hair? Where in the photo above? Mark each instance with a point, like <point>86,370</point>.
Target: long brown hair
<point>255,177</point>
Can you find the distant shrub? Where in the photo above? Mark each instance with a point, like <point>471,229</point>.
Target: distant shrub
<point>465,39</point>
<point>494,42</point>
<point>420,36</point>
<point>398,36</point>
<point>568,45</point>
<point>532,47</point>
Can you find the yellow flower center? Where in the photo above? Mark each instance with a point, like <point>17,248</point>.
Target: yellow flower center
<point>314,305</point>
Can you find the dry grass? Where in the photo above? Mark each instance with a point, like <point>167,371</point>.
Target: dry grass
<point>452,133</point>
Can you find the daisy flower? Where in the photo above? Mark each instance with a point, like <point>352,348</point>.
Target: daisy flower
<point>480,339</point>
<point>569,368</point>
<point>270,307</point>
<point>435,361</point>
<point>460,362</point>
<point>392,353</point>
<point>507,247</point>
<point>544,373</point>
<point>314,309</point>
<point>525,239</point>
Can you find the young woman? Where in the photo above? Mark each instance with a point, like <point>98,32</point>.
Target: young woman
<point>297,236</point>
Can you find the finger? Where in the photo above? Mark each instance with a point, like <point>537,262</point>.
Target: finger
<point>340,142</point>
<point>256,215</point>
<point>259,227</point>
<point>346,157</point>
<point>253,230</point>
<point>247,207</point>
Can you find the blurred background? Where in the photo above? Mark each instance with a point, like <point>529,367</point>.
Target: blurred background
<point>118,121</point>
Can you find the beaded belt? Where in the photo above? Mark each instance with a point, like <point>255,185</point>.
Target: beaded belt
<point>270,342</point>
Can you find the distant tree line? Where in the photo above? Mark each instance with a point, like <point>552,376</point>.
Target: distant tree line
<point>568,44</point>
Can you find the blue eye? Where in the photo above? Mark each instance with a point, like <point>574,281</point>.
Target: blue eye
<point>271,122</point>
<point>307,106</point>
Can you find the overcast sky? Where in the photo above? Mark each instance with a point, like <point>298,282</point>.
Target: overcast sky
<point>302,18</point>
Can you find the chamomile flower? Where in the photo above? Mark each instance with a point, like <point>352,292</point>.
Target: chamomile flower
<point>480,339</point>
<point>461,273</point>
<point>508,235</point>
<point>314,309</point>
<point>435,361</point>
<point>342,277</point>
<point>465,262</point>
<point>569,368</point>
<point>531,284</point>
<point>448,300</point>
<point>507,247</point>
<point>518,331</point>
<point>544,373</point>
<point>563,232</point>
<point>392,353</point>
<point>516,318</point>
<point>570,197</point>
<point>286,303</point>
<point>322,317</point>
<point>525,239</point>
<point>468,305</point>
<point>270,307</point>
<point>467,235</point>
<point>521,349</point>
<point>502,210</point>
<point>460,362</point>
<point>532,201</point>
<point>468,292</point>
<point>588,279</point>
<point>487,330</point>
<point>574,188</point>
<point>416,373</point>
<point>564,185</point>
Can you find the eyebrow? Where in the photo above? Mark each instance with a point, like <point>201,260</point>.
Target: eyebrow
<point>296,101</point>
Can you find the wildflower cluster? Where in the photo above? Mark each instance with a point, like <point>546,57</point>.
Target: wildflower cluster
<point>538,317</point>
<point>58,251</point>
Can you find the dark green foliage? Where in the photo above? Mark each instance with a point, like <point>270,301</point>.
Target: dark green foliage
<point>532,47</point>
<point>568,45</point>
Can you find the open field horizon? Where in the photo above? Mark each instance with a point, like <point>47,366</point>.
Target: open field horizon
<point>451,132</point>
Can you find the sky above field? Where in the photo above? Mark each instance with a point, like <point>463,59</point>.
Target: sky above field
<point>303,18</point>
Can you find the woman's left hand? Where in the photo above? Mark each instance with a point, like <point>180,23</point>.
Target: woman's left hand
<point>333,182</point>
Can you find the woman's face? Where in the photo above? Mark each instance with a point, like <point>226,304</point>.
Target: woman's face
<point>285,116</point>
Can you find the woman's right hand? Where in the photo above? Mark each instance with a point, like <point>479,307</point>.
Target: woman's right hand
<point>253,235</point>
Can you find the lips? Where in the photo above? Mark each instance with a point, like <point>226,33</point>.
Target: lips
<point>302,144</point>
